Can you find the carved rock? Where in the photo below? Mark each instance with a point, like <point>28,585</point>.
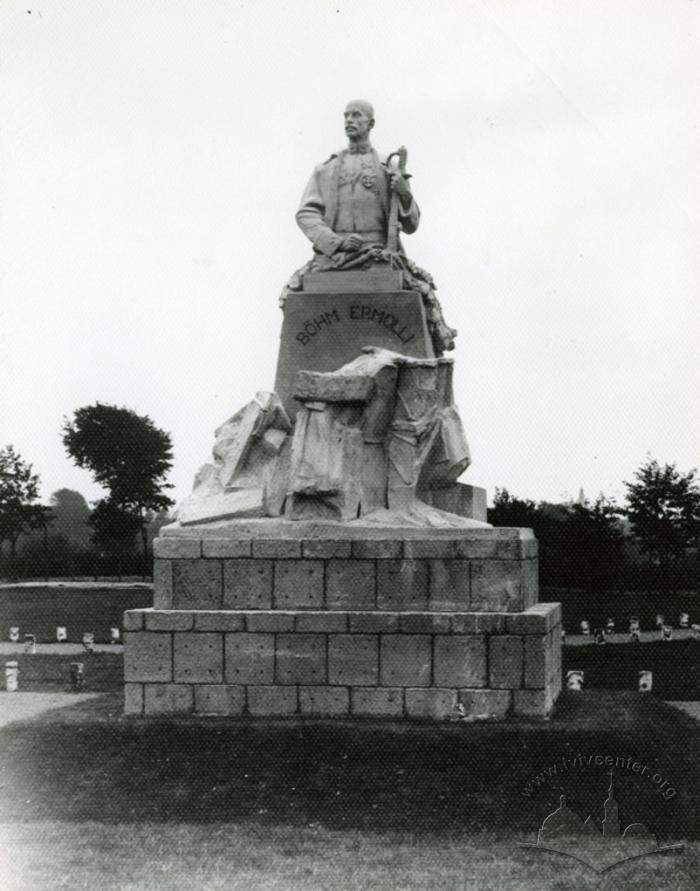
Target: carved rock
<point>249,455</point>
<point>368,439</point>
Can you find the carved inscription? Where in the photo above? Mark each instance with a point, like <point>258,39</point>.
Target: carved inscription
<point>356,312</point>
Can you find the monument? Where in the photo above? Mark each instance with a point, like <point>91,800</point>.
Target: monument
<point>328,561</point>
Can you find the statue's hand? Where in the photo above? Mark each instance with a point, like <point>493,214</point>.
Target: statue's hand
<point>351,243</point>
<point>399,184</point>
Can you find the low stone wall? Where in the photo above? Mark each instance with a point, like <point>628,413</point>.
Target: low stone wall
<point>411,623</point>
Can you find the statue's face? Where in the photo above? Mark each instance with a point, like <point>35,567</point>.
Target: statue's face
<point>357,122</point>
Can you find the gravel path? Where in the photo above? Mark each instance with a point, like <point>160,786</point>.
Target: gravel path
<point>20,706</point>
<point>691,708</point>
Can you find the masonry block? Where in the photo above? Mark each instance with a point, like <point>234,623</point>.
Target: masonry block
<point>277,549</point>
<point>538,661</point>
<point>496,585</point>
<point>435,548</point>
<point>350,584</point>
<point>425,623</point>
<point>218,620</point>
<point>533,703</point>
<point>177,548</point>
<point>353,659</point>
<point>219,699</point>
<point>449,584</point>
<point>377,702</point>
<point>402,584</point>
<point>458,498</point>
<point>479,623</point>
<point>148,656</point>
<point>373,622</point>
<point>431,703</point>
<point>250,658</point>
<point>163,584</point>
<point>169,620</point>
<point>486,703</point>
<point>530,582</point>
<point>272,701</point>
<point>324,549</point>
<point>459,660</point>
<point>247,584</point>
<point>198,657</point>
<point>270,621</point>
<point>406,660</point>
<point>300,659</point>
<point>505,662</point>
<point>226,548</point>
<point>162,699</point>
<point>133,699</point>
<point>489,549</point>
<point>197,584</point>
<point>324,701</point>
<point>298,584</point>
<point>536,619</point>
<point>377,549</point>
<point>322,622</point>
<point>134,619</point>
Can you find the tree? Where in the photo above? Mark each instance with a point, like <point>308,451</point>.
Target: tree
<point>19,489</point>
<point>663,506</point>
<point>593,543</point>
<point>127,454</point>
<point>71,516</point>
<point>579,544</point>
<point>508,510</point>
<point>115,528</point>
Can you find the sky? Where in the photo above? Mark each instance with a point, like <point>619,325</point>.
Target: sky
<point>153,154</point>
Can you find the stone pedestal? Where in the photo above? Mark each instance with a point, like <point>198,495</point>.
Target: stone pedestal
<point>278,618</point>
<point>322,331</point>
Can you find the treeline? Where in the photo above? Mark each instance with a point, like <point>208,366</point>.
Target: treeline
<point>649,542</point>
<point>130,458</point>
<point>69,545</point>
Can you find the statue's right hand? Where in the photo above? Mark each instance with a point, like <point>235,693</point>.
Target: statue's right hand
<point>351,243</point>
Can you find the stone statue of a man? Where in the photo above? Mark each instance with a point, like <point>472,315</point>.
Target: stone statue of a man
<point>345,206</point>
<point>345,211</point>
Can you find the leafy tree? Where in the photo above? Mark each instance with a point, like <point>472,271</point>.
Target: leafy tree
<point>579,544</point>
<point>593,543</point>
<point>19,489</point>
<point>127,454</point>
<point>71,516</point>
<point>508,510</point>
<point>663,507</point>
<point>115,529</point>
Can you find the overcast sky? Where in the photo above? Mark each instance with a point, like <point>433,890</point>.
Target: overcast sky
<point>153,155</point>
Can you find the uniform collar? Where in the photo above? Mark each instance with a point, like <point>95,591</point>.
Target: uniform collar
<point>359,149</point>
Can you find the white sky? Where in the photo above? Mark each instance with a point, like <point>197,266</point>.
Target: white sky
<point>153,155</point>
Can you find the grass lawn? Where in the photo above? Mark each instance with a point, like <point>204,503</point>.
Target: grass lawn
<point>90,798</point>
<point>38,609</point>
<point>675,665</point>
<point>103,671</point>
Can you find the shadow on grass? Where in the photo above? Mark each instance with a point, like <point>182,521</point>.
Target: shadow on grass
<point>90,763</point>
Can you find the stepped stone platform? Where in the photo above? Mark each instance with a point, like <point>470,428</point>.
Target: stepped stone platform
<point>279,618</point>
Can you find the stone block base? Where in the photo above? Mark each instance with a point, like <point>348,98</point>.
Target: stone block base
<point>429,665</point>
<point>421,624</point>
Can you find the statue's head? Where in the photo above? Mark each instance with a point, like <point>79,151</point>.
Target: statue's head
<point>359,119</point>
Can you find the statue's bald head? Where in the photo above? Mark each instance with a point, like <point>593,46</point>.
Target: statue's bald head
<point>363,105</point>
